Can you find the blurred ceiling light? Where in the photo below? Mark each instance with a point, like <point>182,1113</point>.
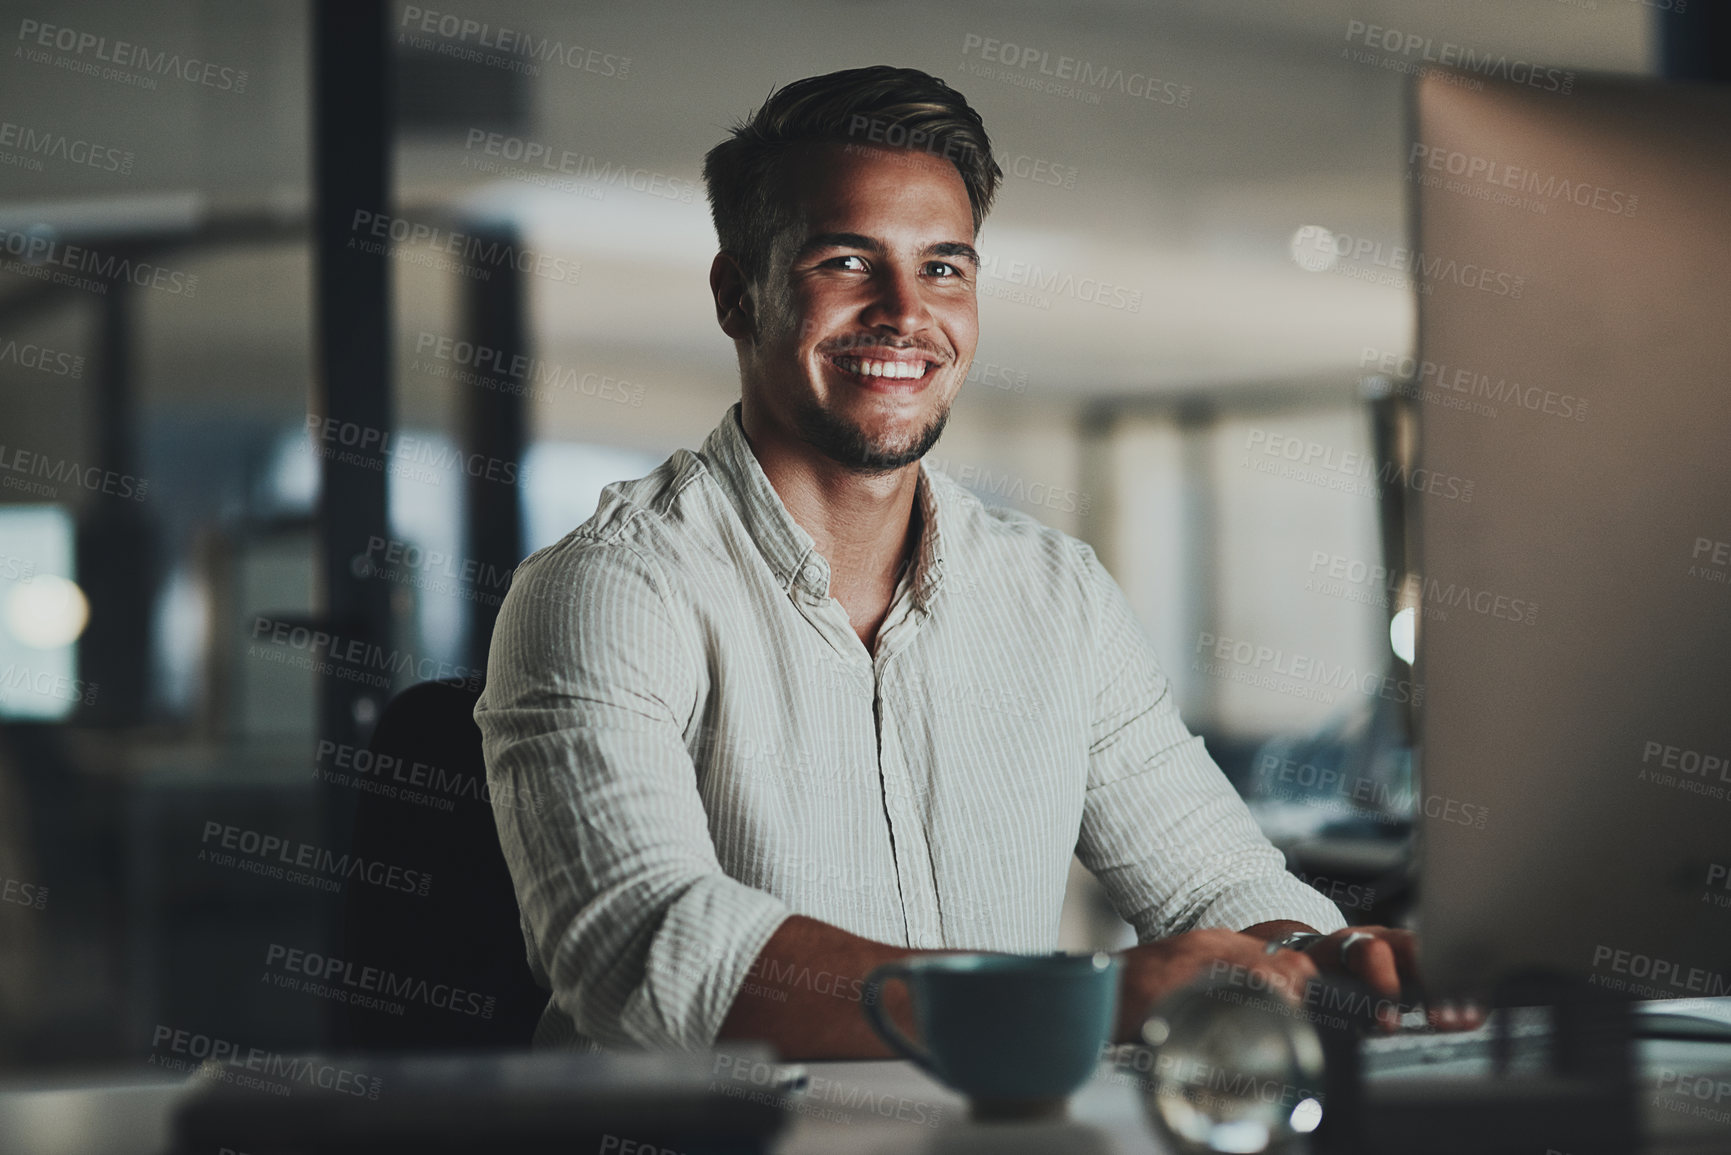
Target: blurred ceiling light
<point>1403,634</point>
<point>1313,248</point>
<point>47,612</point>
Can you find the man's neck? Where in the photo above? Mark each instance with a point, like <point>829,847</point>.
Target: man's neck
<point>863,524</point>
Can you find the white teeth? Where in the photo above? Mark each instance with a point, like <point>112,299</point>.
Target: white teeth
<point>900,370</point>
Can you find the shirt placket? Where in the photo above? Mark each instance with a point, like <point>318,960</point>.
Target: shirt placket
<point>903,804</point>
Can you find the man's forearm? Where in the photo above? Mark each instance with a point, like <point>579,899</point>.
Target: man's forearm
<point>804,993</point>
<point>1273,929</point>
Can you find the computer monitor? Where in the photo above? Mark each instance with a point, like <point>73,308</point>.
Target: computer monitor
<point>1572,244</point>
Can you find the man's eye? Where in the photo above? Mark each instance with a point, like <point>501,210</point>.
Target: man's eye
<point>842,263</point>
<point>943,269</point>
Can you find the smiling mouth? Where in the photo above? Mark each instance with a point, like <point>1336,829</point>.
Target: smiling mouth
<point>881,369</point>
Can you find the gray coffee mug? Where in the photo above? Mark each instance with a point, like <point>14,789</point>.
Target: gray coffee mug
<point>1017,1034</point>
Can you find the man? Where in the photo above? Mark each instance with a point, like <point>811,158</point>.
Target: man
<point>804,706</point>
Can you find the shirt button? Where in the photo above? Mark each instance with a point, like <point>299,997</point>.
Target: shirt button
<point>811,574</point>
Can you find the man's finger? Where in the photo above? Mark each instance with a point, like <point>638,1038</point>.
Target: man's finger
<point>1373,960</point>
<point>1290,972</point>
<point>1405,945</point>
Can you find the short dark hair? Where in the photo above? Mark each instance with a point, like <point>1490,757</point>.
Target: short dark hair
<point>878,106</point>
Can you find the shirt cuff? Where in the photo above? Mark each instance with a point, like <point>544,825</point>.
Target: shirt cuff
<point>1266,900</point>
<point>703,951</point>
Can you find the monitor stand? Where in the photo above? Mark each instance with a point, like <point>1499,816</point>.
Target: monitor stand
<point>1580,1099</point>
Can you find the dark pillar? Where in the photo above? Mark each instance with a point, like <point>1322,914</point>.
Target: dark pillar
<point>118,552</point>
<point>1694,40</point>
<point>494,433</point>
<point>352,179</point>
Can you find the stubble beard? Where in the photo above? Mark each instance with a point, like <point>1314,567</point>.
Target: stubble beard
<point>846,444</point>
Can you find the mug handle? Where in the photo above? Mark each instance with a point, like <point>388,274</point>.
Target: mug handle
<point>872,998</point>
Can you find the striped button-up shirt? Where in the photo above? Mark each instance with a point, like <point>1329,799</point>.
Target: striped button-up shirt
<point>717,750</point>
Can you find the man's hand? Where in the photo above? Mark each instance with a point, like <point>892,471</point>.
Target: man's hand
<point>1385,959</point>
<point>1157,969</point>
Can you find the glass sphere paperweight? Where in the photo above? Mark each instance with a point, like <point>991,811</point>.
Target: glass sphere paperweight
<point>1234,1070</point>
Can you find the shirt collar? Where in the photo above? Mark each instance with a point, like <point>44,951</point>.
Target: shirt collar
<point>784,544</point>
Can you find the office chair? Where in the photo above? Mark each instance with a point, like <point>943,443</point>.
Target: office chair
<point>455,955</point>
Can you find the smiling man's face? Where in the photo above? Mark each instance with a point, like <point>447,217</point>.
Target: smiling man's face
<point>867,321</point>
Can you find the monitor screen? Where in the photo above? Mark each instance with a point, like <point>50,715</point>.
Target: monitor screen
<point>1575,332</point>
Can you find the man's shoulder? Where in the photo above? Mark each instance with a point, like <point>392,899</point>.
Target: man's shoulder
<point>645,523</point>
<point>997,535</point>
<point>1008,556</point>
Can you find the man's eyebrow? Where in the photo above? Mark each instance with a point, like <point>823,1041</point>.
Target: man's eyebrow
<point>839,241</point>
<point>955,249</point>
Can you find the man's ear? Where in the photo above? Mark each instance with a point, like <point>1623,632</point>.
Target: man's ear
<point>734,309</point>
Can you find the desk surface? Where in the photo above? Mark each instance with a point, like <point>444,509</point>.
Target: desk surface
<point>884,1108</point>
<point>887,1107</point>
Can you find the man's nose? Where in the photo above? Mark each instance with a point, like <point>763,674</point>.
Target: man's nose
<point>898,302</point>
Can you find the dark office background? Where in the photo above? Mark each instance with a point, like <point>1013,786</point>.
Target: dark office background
<point>258,407</point>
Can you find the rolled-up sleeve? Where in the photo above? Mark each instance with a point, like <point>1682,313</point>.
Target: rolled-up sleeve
<point>1162,828</point>
<point>591,682</point>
